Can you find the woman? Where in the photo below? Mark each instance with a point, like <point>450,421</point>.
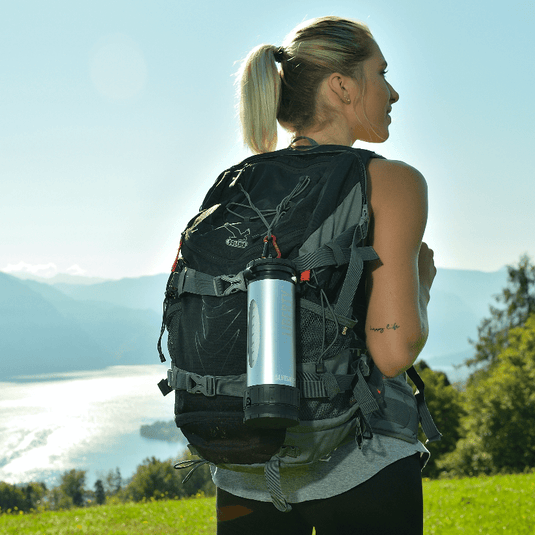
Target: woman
<point>330,89</point>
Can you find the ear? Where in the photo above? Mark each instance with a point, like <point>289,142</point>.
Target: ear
<point>338,84</point>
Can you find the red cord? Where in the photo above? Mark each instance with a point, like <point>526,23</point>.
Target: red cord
<point>279,254</point>
<point>276,247</point>
<point>177,255</point>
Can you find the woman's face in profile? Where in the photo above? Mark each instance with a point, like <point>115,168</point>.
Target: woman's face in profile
<point>373,108</point>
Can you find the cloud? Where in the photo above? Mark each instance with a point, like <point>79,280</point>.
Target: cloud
<point>45,271</point>
<point>75,270</point>
<point>39,270</point>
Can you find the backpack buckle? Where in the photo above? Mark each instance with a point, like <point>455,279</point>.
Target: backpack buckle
<point>236,283</point>
<point>175,284</point>
<point>200,384</point>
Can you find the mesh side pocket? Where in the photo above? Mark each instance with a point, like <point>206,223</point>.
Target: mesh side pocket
<point>315,409</point>
<point>310,339</point>
<point>309,350</point>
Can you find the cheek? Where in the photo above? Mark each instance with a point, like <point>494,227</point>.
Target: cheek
<point>384,93</point>
<point>377,98</point>
<point>376,108</point>
<point>361,110</point>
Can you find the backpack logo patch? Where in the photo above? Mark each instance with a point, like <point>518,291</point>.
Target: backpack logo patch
<point>237,239</point>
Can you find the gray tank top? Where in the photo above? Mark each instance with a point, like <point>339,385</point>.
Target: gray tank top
<point>347,467</point>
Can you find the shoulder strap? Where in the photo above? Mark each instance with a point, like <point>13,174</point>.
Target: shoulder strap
<point>428,425</point>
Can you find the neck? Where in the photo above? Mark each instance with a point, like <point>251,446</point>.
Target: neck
<point>329,135</point>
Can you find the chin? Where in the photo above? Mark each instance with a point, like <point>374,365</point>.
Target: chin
<point>373,135</point>
<point>379,138</point>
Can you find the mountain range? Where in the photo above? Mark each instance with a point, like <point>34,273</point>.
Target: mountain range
<point>48,328</point>
<point>64,324</point>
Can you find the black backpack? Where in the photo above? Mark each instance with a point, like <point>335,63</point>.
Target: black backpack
<point>308,206</point>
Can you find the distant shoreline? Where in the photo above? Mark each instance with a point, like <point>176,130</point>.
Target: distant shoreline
<point>69,375</point>
<point>160,430</point>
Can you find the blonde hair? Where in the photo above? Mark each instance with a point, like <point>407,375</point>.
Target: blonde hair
<point>311,52</point>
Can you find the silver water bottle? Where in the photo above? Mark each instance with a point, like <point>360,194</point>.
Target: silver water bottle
<point>271,399</point>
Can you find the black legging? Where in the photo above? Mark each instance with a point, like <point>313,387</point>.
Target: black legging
<point>390,503</point>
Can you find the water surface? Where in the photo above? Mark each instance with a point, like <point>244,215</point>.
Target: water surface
<point>84,420</point>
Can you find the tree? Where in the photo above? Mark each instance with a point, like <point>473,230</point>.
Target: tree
<point>113,482</point>
<point>518,299</point>
<point>11,498</point>
<point>498,433</point>
<point>73,486</point>
<point>25,497</point>
<point>100,495</point>
<point>160,480</point>
<point>155,479</point>
<point>446,407</point>
<point>34,495</point>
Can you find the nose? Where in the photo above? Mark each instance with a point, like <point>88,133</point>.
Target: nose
<point>394,95</point>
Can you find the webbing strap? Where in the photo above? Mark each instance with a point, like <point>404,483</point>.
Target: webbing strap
<point>363,395</point>
<point>325,256</point>
<point>273,480</point>
<point>208,385</point>
<point>311,388</point>
<point>331,385</point>
<point>311,385</point>
<point>354,273</point>
<point>365,401</point>
<point>324,385</point>
<point>341,250</point>
<point>195,282</point>
<point>428,425</point>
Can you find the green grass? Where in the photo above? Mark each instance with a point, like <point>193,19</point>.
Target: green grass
<point>484,505</point>
<point>194,516</point>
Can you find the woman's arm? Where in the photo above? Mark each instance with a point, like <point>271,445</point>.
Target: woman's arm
<point>398,284</point>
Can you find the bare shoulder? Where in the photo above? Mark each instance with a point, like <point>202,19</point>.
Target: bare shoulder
<point>394,173</point>
<point>395,183</point>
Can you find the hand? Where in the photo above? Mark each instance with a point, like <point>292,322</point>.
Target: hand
<point>426,266</point>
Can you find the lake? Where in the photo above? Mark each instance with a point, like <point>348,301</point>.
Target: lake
<point>83,420</point>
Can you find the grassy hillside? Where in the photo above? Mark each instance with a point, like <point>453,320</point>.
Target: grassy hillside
<point>482,505</point>
<point>194,516</point>
<point>485,505</point>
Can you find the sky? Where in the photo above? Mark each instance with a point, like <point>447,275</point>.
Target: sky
<point>117,116</point>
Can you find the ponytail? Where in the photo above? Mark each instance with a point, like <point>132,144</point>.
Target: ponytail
<point>260,89</point>
<point>311,52</point>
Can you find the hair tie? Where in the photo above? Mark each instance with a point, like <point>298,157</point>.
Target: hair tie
<point>279,54</point>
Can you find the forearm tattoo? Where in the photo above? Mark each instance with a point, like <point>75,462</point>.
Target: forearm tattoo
<point>389,327</point>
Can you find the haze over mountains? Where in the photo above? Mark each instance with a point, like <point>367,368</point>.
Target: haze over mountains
<point>63,324</point>
<point>49,328</point>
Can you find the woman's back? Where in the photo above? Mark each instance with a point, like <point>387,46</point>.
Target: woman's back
<point>327,86</point>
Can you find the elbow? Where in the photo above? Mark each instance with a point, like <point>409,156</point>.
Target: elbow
<point>397,359</point>
<point>393,369</point>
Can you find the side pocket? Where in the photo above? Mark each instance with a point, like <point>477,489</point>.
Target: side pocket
<point>172,319</point>
<point>398,413</point>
